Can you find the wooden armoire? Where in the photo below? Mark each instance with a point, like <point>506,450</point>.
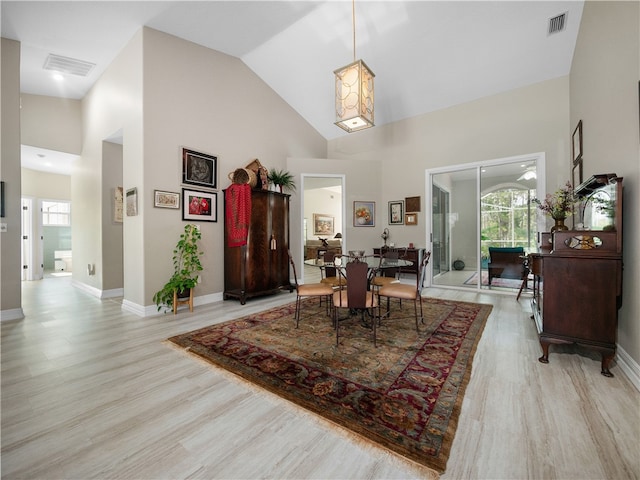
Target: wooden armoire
<point>261,267</point>
<point>578,274</point>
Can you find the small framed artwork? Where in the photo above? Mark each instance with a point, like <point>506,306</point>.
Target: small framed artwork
<point>364,214</point>
<point>199,169</point>
<point>411,218</point>
<point>322,224</point>
<point>118,204</point>
<point>396,212</point>
<point>2,199</point>
<point>162,199</point>
<point>412,204</point>
<point>576,141</point>
<point>200,206</point>
<point>132,202</point>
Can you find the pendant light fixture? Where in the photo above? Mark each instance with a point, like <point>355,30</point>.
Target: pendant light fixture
<point>354,91</point>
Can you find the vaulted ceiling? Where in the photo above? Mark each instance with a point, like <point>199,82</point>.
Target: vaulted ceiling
<point>426,55</point>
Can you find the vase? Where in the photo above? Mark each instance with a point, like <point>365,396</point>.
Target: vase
<point>559,225</point>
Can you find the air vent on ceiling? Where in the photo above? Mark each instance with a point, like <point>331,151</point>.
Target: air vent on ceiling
<point>73,66</point>
<point>557,23</point>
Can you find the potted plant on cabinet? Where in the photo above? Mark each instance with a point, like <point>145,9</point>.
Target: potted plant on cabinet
<point>186,268</point>
<point>282,179</point>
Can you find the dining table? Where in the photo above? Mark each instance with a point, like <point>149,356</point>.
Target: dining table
<point>374,263</point>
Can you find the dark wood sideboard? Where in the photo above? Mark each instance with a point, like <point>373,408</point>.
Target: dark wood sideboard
<point>415,255</point>
<point>578,276</point>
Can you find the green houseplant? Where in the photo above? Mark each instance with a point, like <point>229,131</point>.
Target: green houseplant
<point>186,267</point>
<point>282,178</point>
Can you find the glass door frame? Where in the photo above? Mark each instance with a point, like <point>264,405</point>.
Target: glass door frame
<point>540,160</point>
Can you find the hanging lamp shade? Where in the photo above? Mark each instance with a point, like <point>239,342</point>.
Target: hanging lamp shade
<point>354,97</point>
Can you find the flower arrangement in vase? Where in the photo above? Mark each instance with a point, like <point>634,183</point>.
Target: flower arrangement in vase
<point>558,205</point>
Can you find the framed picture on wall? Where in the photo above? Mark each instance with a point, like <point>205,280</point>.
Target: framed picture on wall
<point>364,214</point>
<point>411,218</point>
<point>323,224</point>
<point>412,204</point>
<point>162,199</point>
<point>199,169</point>
<point>576,141</point>
<point>396,212</point>
<point>118,204</point>
<point>199,206</point>
<point>132,202</point>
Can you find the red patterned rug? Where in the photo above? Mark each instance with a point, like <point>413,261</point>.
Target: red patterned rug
<point>405,395</point>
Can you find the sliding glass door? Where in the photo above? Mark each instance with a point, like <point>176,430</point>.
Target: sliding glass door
<point>478,207</point>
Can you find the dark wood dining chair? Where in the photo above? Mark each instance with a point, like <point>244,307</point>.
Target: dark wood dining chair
<point>320,290</point>
<point>403,291</point>
<point>356,297</point>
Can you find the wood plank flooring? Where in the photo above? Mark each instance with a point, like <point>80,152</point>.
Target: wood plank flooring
<point>90,391</point>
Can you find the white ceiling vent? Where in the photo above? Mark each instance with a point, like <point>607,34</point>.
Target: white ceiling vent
<point>557,23</point>
<point>73,66</point>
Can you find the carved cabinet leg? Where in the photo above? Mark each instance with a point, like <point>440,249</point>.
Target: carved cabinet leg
<point>606,361</point>
<point>545,352</point>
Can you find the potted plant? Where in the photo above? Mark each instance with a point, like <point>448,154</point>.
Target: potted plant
<point>282,179</point>
<point>186,268</point>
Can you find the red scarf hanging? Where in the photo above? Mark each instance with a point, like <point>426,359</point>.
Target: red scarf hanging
<point>238,206</point>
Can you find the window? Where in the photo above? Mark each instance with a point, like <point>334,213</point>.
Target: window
<point>56,213</point>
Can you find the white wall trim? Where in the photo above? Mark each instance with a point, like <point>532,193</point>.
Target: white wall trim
<point>629,367</point>
<point>96,292</point>
<point>113,293</point>
<point>152,310</point>
<point>13,314</point>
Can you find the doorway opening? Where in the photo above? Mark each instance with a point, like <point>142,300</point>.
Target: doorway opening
<point>478,207</point>
<point>323,219</point>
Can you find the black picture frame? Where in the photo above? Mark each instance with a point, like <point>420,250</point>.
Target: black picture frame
<point>2,199</point>
<point>199,169</point>
<point>199,205</point>
<point>396,212</point>
<point>576,144</point>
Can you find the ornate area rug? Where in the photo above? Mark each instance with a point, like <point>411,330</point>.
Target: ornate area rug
<point>405,395</point>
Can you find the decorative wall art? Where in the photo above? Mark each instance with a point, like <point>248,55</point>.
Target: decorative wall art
<point>162,199</point>
<point>323,224</point>
<point>200,206</point>
<point>412,204</point>
<point>118,204</point>
<point>132,202</point>
<point>411,218</point>
<point>364,214</point>
<point>396,212</point>
<point>199,169</point>
<point>2,199</point>
<point>576,155</point>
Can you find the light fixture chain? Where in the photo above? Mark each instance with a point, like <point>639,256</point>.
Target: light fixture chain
<point>353,19</point>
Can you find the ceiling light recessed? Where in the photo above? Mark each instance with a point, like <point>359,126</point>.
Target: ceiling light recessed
<point>58,77</point>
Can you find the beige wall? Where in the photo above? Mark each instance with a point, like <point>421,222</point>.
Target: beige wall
<point>604,95</point>
<point>210,102</point>
<point>112,246</point>
<point>523,121</point>
<point>114,104</point>
<point>10,242</point>
<point>47,186</point>
<point>52,123</point>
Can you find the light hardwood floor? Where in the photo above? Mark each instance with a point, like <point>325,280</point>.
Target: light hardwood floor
<point>90,391</point>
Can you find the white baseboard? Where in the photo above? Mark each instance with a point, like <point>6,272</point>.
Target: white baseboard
<point>13,314</point>
<point>151,310</point>
<point>93,291</point>
<point>113,293</point>
<point>629,367</point>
